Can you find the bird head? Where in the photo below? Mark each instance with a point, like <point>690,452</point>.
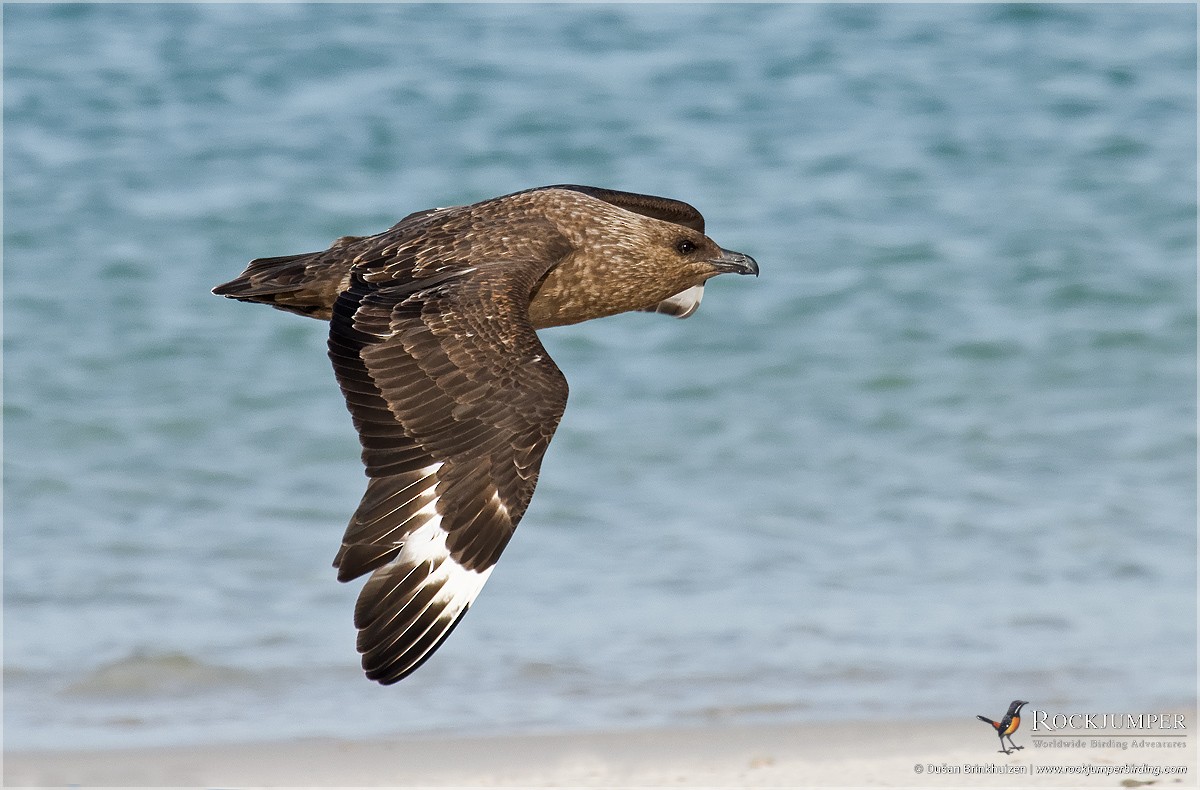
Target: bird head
<point>697,251</point>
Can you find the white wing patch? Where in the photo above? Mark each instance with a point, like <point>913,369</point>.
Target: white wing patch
<point>503,508</point>
<point>438,590</point>
<point>425,551</point>
<point>425,485</point>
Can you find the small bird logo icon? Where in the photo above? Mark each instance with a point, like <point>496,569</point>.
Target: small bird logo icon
<point>1008,725</point>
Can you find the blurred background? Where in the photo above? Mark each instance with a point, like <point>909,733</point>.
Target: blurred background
<point>941,455</point>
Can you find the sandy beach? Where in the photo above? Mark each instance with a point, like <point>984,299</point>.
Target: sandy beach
<point>862,754</point>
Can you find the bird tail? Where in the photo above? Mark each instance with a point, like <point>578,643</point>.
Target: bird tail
<point>306,284</point>
<point>989,721</point>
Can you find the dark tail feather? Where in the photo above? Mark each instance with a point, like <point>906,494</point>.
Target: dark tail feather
<point>989,721</point>
<point>306,284</point>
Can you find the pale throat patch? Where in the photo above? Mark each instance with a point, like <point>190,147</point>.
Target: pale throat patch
<point>682,304</point>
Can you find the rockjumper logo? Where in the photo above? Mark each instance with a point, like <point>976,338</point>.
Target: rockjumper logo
<point>1044,721</point>
<point>1008,725</point>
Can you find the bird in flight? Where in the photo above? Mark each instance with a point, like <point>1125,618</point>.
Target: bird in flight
<point>432,337</point>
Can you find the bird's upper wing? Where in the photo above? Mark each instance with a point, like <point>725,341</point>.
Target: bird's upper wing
<point>455,401</point>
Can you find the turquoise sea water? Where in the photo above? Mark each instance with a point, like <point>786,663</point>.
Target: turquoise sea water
<point>941,455</point>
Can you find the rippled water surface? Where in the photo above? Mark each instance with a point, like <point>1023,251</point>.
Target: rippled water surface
<point>939,456</point>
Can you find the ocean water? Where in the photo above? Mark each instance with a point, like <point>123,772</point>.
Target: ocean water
<point>940,455</point>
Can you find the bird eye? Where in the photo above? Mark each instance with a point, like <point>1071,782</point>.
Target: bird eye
<point>685,247</point>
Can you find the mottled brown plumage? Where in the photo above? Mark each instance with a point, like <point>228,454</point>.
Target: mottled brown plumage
<point>455,400</point>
